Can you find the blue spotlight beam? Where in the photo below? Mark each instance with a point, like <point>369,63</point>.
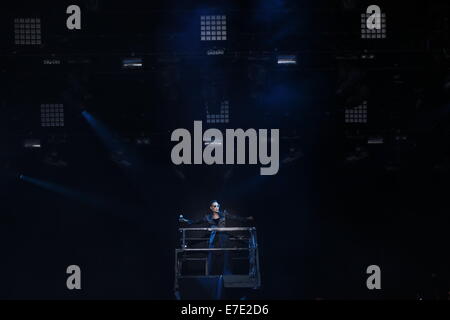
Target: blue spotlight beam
<point>67,192</point>
<point>109,140</point>
<point>101,130</point>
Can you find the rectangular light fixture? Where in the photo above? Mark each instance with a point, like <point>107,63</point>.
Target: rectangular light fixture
<point>32,143</point>
<point>287,59</point>
<point>375,140</point>
<point>132,63</point>
<point>213,28</point>
<point>52,115</point>
<point>27,31</point>
<point>223,117</point>
<point>357,114</point>
<point>374,33</point>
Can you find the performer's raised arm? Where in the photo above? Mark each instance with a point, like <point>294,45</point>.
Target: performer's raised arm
<point>191,221</point>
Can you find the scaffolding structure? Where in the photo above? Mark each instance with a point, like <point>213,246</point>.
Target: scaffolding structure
<point>194,250</point>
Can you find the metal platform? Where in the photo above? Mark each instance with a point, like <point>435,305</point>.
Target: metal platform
<point>194,251</point>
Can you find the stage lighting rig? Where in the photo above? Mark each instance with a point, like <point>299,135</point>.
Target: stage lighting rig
<point>132,63</point>
<point>284,59</point>
<point>213,28</point>
<point>27,31</point>
<point>32,143</point>
<point>52,115</point>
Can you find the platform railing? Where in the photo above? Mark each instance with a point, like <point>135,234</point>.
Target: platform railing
<point>185,251</point>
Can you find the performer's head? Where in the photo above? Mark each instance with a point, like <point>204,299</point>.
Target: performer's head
<point>214,206</point>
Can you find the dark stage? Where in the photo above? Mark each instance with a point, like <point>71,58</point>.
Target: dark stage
<point>355,122</point>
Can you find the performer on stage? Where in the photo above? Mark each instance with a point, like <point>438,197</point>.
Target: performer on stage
<point>216,218</point>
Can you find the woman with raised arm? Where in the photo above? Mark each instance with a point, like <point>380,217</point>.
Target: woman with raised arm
<point>216,218</point>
